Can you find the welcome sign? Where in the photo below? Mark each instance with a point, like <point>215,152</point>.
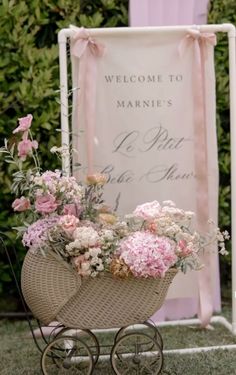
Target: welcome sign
<point>133,120</point>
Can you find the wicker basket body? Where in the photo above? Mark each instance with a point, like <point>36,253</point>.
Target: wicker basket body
<point>55,292</point>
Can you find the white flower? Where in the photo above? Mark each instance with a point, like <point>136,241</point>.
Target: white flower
<point>172,230</point>
<point>169,203</point>
<point>100,267</point>
<point>87,236</point>
<point>54,149</point>
<point>174,212</point>
<point>107,235</point>
<point>226,235</point>
<point>94,251</point>
<point>94,261</point>
<point>63,150</point>
<point>189,214</point>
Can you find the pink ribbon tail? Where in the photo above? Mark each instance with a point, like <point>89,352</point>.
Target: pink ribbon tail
<point>88,51</point>
<point>199,42</point>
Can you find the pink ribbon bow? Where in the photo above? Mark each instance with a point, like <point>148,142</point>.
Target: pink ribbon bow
<point>87,50</point>
<point>200,42</point>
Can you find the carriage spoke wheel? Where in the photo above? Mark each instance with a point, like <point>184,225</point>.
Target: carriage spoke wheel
<point>67,355</point>
<point>87,337</point>
<point>131,355</point>
<point>146,327</point>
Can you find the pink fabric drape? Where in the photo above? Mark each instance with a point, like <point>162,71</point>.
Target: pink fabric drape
<point>167,12</point>
<point>87,50</point>
<point>182,12</point>
<point>199,42</point>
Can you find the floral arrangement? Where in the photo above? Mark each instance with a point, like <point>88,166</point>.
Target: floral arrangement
<point>68,219</point>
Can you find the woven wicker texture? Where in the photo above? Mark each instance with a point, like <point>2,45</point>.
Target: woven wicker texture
<point>54,292</point>
<point>47,285</point>
<point>105,302</point>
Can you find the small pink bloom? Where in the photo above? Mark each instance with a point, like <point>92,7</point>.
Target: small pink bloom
<point>152,227</point>
<point>24,124</point>
<point>45,204</point>
<point>69,223</point>
<point>78,260</point>
<point>84,269</point>
<point>70,209</point>
<point>21,204</point>
<point>25,148</point>
<point>182,244</point>
<point>184,251</point>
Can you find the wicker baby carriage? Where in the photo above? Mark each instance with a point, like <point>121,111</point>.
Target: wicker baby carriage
<point>54,291</point>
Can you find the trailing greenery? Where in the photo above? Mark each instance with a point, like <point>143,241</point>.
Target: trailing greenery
<point>29,83</point>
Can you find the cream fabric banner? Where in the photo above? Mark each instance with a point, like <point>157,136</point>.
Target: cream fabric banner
<point>142,133</point>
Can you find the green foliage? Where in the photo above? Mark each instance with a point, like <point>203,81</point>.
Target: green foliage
<point>223,11</point>
<point>29,82</point>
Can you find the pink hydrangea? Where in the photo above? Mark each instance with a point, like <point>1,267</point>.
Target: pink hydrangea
<point>147,255</point>
<point>36,234</point>
<point>148,211</point>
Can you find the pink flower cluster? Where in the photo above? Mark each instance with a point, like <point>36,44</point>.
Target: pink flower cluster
<point>58,214</point>
<point>147,255</point>
<point>36,236</point>
<point>54,190</point>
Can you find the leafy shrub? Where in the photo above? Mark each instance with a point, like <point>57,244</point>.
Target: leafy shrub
<point>29,82</point>
<point>223,11</point>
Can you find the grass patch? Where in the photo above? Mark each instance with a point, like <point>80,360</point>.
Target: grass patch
<point>19,356</point>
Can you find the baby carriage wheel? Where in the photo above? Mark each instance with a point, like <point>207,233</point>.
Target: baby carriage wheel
<point>146,327</point>
<point>88,338</point>
<point>67,355</point>
<point>133,354</point>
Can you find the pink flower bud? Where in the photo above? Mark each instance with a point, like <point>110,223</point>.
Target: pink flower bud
<point>25,148</point>
<point>21,204</point>
<point>24,124</point>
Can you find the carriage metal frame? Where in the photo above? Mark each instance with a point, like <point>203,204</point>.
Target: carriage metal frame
<point>133,349</point>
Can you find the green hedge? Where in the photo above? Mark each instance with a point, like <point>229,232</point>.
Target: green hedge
<point>29,84</point>
<point>223,11</point>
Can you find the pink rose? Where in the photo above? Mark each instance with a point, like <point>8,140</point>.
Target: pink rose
<point>183,250</point>
<point>21,204</point>
<point>24,124</point>
<point>45,204</point>
<point>69,223</point>
<point>25,148</point>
